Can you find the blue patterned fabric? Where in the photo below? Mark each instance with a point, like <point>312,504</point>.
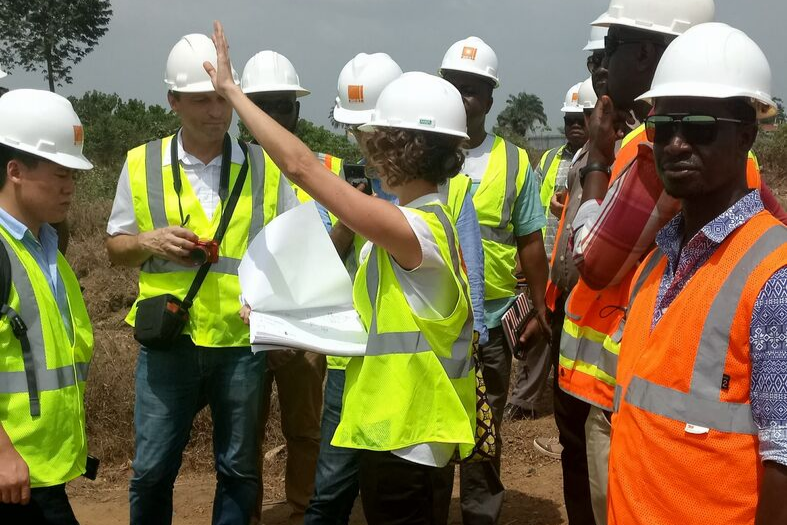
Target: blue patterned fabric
<point>768,332</point>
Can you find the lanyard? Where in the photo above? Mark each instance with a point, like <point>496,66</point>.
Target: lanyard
<point>224,181</point>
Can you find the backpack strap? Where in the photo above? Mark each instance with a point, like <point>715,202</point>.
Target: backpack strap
<point>19,329</point>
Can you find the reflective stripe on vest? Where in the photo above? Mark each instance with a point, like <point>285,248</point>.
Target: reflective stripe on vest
<point>501,234</point>
<point>460,363</point>
<point>701,405</point>
<point>46,378</point>
<point>548,169</point>
<point>155,190</point>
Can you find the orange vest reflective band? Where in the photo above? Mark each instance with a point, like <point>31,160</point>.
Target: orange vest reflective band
<point>684,443</point>
<point>590,342</point>
<point>553,292</point>
<point>593,327</point>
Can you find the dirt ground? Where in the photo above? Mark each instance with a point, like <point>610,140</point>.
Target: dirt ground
<point>533,483</point>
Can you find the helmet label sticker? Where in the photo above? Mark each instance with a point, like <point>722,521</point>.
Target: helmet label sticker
<point>79,135</point>
<point>469,53</point>
<point>355,93</point>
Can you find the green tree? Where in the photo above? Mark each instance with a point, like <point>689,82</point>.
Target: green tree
<point>523,114</point>
<point>319,140</point>
<point>51,35</point>
<point>781,118</point>
<point>113,126</point>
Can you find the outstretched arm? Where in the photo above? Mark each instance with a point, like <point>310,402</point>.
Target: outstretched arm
<point>377,220</point>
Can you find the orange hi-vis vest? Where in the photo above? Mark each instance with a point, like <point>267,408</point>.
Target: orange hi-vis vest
<point>594,322</point>
<point>588,356</point>
<point>553,292</point>
<point>684,444</point>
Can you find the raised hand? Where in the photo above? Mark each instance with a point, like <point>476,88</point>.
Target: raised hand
<point>221,74</point>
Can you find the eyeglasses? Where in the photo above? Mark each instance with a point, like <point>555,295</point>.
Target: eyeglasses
<point>696,129</point>
<point>611,44</point>
<point>280,107</point>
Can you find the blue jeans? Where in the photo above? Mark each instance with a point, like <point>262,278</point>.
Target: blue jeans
<point>172,386</point>
<point>336,482</point>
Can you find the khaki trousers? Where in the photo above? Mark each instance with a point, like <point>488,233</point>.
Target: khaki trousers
<point>299,380</point>
<point>597,431</point>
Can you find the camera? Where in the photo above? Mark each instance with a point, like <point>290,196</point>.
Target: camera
<point>355,174</point>
<point>205,252</point>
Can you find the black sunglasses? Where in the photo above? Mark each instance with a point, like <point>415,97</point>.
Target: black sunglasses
<point>699,130</point>
<point>279,107</point>
<point>611,43</point>
<point>579,118</point>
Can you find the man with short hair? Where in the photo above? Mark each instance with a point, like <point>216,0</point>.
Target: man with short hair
<point>45,333</point>
<point>272,83</point>
<point>505,195</point>
<point>700,418</point>
<point>172,194</point>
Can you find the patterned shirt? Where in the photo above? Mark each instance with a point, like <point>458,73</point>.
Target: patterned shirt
<point>768,333</point>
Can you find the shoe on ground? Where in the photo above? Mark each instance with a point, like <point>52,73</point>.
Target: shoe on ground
<point>548,446</point>
<point>516,413</point>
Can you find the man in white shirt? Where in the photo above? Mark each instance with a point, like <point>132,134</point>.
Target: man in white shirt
<point>158,218</point>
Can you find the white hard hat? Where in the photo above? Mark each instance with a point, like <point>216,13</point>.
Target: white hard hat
<point>185,70</point>
<point>422,102</point>
<point>472,55</point>
<point>43,124</point>
<point>268,71</point>
<point>360,83</point>
<point>571,105</point>
<point>715,61</point>
<point>587,95</point>
<point>596,41</point>
<point>672,17</point>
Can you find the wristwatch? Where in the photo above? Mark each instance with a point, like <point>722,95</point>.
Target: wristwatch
<point>592,167</point>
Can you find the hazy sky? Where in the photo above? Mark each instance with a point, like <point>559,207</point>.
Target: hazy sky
<point>538,42</point>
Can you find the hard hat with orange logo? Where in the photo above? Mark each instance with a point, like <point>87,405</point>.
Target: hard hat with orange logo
<point>571,105</point>
<point>267,72</point>
<point>472,55</point>
<point>43,124</point>
<point>360,83</point>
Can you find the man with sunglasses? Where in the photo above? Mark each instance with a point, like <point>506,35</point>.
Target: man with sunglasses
<point>700,413</point>
<point>272,83</point>
<point>552,173</point>
<point>155,225</point>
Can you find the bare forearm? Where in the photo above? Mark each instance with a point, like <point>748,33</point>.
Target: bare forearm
<point>772,509</point>
<point>126,250</point>
<point>342,238</point>
<point>533,259</point>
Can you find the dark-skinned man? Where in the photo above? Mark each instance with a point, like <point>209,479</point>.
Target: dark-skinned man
<point>552,173</point>
<point>505,194</point>
<point>155,224</point>
<point>614,228</point>
<point>272,83</point>
<point>700,413</point>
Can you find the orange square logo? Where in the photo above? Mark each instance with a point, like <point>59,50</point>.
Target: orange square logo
<point>469,53</point>
<point>79,135</point>
<point>355,93</point>
<point>575,97</point>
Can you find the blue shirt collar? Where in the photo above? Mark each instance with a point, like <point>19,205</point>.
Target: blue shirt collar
<point>19,230</point>
<point>670,237</point>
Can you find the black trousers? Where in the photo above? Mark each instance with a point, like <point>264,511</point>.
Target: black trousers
<point>48,506</point>
<point>570,416</point>
<point>395,491</point>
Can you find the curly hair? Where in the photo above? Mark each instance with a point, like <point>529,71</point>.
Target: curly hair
<point>404,155</point>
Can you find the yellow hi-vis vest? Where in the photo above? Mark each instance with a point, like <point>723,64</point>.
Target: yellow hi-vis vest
<point>335,164</point>
<point>213,318</point>
<point>454,193</point>
<point>49,434</point>
<point>494,203</point>
<point>416,383</point>
<point>548,167</point>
